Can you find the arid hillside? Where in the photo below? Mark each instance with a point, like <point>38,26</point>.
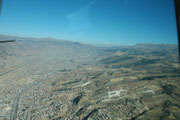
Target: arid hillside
<point>50,79</point>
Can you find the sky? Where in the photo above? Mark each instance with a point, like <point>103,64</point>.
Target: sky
<point>117,22</point>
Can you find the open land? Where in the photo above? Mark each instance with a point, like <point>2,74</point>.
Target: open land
<point>49,79</point>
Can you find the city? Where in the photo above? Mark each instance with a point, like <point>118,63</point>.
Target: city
<point>48,79</point>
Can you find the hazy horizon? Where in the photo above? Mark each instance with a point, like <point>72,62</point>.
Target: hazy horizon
<point>121,22</point>
<point>81,42</point>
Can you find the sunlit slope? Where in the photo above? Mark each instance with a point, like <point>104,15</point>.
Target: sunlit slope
<point>45,78</point>
<point>25,47</point>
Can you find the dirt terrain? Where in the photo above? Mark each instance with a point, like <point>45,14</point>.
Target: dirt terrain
<point>49,79</point>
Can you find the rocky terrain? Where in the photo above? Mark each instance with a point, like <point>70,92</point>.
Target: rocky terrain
<point>49,79</point>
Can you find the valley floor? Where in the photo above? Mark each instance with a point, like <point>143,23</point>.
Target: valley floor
<point>81,82</point>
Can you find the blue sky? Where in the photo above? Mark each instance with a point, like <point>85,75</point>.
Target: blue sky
<point>122,22</point>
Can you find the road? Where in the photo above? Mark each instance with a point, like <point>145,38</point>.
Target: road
<point>13,114</point>
<point>4,73</point>
<point>19,66</point>
<point>17,71</point>
<point>42,64</point>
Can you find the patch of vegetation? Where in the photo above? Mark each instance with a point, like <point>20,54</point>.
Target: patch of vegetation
<point>64,70</point>
<point>116,59</point>
<point>168,89</point>
<point>77,99</point>
<point>63,89</point>
<point>146,62</point>
<point>71,82</point>
<point>92,112</point>
<point>153,77</point>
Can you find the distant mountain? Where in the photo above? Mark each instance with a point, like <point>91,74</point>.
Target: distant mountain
<point>28,46</point>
